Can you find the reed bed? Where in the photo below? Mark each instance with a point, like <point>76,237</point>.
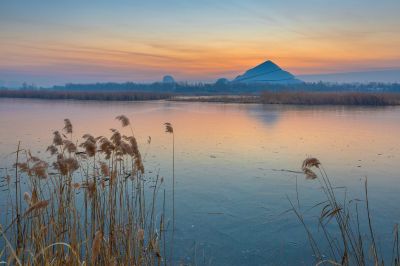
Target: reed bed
<point>84,95</point>
<point>302,98</point>
<point>330,98</point>
<point>91,203</point>
<point>346,225</point>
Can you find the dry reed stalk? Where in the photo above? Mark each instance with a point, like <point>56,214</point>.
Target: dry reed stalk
<point>351,248</point>
<point>169,129</point>
<point>96,246</point>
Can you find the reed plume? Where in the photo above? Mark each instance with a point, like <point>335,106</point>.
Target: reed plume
<point>69,146</point>
<point>37,206</point>
<point>52,149</point>
<point>89,144</point>
<point>39,169</point>
<point>57,139</point>
<point>67,126</point>
<point>124,120</point>
<point>168,128</point>
<point>311,162</point>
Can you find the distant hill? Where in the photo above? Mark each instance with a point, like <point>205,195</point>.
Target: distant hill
<point>383,76</point>
<point>267,72</point>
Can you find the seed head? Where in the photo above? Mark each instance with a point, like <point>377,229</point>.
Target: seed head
<point>168,128</point>
<point>67,126</point>
<point>124,120</point>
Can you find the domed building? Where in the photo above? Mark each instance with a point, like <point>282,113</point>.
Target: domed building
<point>168,79</point>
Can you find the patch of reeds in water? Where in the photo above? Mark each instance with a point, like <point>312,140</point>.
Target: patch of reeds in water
<point>330,98</point>
<point>91,204</point>
<point>342,226</point>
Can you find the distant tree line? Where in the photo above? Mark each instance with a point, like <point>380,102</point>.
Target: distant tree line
<point>316,97</point>
<point>84,95</point>
<point>161,90</point>
<point>229,87</point>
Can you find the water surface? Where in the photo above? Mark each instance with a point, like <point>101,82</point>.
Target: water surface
<point>235,166</point>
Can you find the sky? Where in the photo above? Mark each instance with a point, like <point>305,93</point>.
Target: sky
<point>49,42</point>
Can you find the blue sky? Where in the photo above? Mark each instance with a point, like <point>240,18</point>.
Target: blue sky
<point>49,42</point>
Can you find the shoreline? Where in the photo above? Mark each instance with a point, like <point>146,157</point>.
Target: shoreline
<point>267,97</point>
<point>302,98</point>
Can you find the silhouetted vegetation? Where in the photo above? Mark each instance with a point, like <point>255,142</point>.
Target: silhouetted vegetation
<point>219,99</point>
<point>84,95</point>
<point>302,98</point>
<point>229,87</point>
<point>306,93</point>
<point>330,98</point>
<point>221,87</point>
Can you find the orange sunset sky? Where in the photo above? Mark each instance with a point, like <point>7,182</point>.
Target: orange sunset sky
<point>54,42</point>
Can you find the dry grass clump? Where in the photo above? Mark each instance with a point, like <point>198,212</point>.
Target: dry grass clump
<point>346,242</point>
<point>87,204</point>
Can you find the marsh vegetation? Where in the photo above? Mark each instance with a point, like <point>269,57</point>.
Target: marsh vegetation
<point>91,203</point>
<point>346,224</point>
<point>303,98</point>
<point>84,95</point>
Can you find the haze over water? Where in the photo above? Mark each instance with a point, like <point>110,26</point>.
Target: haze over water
<point>235,165</point>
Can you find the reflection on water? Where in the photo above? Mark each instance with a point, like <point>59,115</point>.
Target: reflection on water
<point>231,192</point>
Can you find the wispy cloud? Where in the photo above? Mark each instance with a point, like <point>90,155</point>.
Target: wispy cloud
<point>194,40</point>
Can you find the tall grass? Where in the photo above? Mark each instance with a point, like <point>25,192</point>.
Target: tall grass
<point>91,203</point>
<point>169,129</point>
<point>342,226</point>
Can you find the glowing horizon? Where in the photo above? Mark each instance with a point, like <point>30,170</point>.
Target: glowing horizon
<point>54,43</point>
